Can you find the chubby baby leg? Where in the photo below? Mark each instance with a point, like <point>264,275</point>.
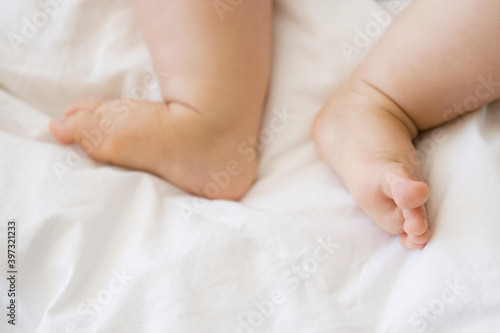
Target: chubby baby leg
<point>218,65</point>
<point>436,61</point>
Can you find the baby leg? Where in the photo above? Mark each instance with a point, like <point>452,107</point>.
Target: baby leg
<point>435,58</point>
<point>217,60</point>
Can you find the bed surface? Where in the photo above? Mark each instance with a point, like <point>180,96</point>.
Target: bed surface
<point>104,249</point>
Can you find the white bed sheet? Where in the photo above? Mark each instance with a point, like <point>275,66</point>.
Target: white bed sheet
<point>104,249</point>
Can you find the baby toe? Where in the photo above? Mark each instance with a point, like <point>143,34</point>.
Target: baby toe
<point>74,128</point>
<point>420,239</point>
<point>415,221</point>
<point>392,221</point>
<point>404,189</point>
<point>406,241</point>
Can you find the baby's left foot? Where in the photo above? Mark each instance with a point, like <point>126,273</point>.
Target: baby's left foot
<point>196,152</point>
<point>366,138</point>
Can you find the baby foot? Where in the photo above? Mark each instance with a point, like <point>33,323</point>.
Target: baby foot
<point>199,154</point>
<point>367,139</point>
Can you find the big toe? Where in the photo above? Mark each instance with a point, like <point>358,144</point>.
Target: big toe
<point>406,192</point>
<point>69,129</point>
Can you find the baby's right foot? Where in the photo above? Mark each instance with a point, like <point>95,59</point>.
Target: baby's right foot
<point>367,139</point>
<point>199,153</point>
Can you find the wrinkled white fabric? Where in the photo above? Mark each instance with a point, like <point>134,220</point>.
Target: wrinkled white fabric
<point>104,249</point>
